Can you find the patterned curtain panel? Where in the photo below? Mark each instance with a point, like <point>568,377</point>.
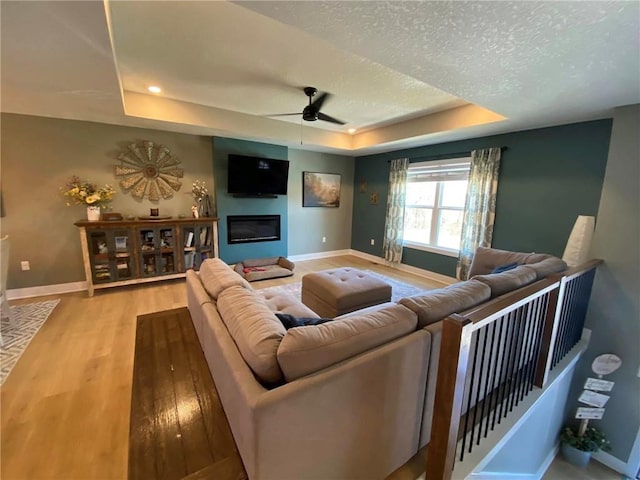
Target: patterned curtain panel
<point>394,225</point>
<point>480,207</point>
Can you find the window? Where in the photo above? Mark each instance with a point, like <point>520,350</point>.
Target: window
<point>434,205</point>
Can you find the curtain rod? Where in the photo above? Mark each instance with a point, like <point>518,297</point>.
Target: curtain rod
<point>444,156</point>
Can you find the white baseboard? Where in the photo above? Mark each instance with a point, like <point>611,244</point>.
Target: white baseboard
<point>548,460</point>
<point>436,277</point>
<point>57,289</point>
<point>313,256</point>
<point>612,462</point>
<point>502,475</point>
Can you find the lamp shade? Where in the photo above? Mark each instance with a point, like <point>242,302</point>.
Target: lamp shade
<point>579,243</point>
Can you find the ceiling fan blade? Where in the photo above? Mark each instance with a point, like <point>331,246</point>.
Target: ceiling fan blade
<point>317,103</point>
<point>282,114</point>
<point>327,118</point>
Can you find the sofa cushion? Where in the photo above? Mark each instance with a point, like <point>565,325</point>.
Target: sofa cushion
<point>255,329</point>
<point>435,305</point>
<point>216,276</point>
<point>305,350</point>
<point>486,259</point>
<point>548,266</point>
<point>286,303</point>
<point>501,283</point>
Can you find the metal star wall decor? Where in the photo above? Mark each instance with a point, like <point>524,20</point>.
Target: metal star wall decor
<point>149,171</point>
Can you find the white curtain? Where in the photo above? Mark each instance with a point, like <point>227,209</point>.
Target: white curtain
<point>394,224</point>
<point>480,207</point>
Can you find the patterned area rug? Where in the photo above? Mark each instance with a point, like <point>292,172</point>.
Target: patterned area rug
<point>28,319</point>
<point>398,289</point>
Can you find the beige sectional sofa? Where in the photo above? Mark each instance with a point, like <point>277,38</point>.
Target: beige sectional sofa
<point>347,399</point>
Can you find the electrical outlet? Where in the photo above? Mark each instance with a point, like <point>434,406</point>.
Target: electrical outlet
<point>24,265</point>
<point>373,242</point>
<point>324,239</point>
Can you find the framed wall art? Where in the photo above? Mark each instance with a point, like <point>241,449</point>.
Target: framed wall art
<point>320,189</point>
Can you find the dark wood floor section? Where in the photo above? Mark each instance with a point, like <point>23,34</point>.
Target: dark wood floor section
<point>178,429</point>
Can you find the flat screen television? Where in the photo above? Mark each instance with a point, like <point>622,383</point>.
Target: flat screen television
<point>255,176</point>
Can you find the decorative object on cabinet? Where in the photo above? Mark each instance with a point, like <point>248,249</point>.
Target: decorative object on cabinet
<point>93,213</point>
<point>111,216</point>
<point>150,171</point>
<point>83,192</point>
<point>117,253</point>
<point>320,189</point>
<point>203,200</point>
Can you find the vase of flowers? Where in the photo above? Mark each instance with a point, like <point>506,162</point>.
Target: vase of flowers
<point>577,448</point>
<point>201,196</point>
<point>82,192</point>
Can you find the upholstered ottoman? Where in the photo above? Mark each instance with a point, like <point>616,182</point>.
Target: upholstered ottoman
<point>335,292</point>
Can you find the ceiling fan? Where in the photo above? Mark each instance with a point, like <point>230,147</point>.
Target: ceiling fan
<point>312,112</point>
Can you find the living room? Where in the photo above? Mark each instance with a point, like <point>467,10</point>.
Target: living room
<point>551,172</point>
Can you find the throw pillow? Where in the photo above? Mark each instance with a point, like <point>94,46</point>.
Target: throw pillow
<point>505,268</point>
<point>289,321</point>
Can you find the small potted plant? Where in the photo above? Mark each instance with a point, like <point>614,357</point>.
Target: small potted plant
<point>577,448</point>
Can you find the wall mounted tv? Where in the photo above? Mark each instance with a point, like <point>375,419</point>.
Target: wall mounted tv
<point>257,177</point>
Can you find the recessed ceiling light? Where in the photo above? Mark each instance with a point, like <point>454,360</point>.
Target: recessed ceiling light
<point>154,89</point>
<point>352,131</point>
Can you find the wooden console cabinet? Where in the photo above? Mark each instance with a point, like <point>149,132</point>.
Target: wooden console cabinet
<point>127,252</point>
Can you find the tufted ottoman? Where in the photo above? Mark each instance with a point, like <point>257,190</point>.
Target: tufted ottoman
<point>334,292</point>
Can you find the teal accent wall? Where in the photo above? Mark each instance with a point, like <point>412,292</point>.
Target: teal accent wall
<point>229,205</point>
<point>548,177</point>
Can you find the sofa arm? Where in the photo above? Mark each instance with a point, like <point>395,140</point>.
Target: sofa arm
<point>331,424</point>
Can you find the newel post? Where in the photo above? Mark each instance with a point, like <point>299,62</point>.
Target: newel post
<point>452,370</point>
<point>549,332</point>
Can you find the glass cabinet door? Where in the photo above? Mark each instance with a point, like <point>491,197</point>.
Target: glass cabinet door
<point>122,259</point>
<point>197,244</point>
<point>167,255</point>
<point>110,252</point>
<point>157,251</point>
<point>99,256</point>
<point>204,248</point>
<point>188,247</point>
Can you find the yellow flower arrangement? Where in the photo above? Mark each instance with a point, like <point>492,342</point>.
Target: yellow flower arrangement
<point>82,192</point>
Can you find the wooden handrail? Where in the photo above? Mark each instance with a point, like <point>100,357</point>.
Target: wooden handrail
<point>455,349</point>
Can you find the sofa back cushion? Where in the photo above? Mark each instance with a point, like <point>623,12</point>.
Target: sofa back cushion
<point>255,329</point>
<point>435,305</point>
<point>501,283</point>
<point>216,276</point>
<point>486,259</point>
<point>548,266</point>
<point>305,350</point>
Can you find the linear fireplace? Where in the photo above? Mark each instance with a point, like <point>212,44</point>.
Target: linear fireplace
<point>252,228</point>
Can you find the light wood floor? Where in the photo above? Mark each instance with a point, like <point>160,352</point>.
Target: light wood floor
<point>65,406</point>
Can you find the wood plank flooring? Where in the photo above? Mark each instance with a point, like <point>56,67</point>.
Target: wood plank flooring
<point>178,427</point>
<point>65,408</point>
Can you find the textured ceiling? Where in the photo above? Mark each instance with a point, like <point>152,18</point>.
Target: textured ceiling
<point>403,73</point>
